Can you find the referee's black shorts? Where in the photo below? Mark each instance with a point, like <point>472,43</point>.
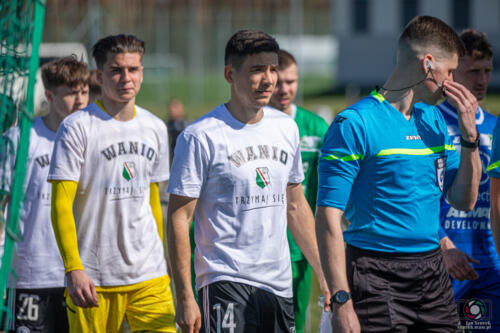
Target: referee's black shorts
<point>401,292</point>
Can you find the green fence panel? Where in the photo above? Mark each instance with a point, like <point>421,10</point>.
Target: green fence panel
<point>21,27</point>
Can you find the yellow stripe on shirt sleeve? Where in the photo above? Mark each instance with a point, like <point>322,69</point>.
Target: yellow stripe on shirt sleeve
<point>415,151</point>
<point>63,223</point>
<point>493,166</point>
<point>154,201</point>
<point>344,158</point>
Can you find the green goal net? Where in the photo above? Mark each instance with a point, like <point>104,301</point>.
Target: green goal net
<point>21,26</point>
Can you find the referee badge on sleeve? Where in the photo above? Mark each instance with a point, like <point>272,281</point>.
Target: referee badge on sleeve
<point>440,165</point>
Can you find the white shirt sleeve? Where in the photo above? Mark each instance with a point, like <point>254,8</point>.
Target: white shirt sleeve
<point>189,167</point>
<point>68,155</point>
<point>296,173</point>
<point>8,153</point>
<point>161,172</point>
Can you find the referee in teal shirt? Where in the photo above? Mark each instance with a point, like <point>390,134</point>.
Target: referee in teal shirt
<point>385,163</point>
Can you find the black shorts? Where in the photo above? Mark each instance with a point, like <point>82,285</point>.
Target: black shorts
<point>38,310</point>
<point>401,292</point>
<point>237,307</point>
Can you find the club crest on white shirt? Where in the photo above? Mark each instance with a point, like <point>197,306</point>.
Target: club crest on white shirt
<point>262,178</point>
<point>128,170</point>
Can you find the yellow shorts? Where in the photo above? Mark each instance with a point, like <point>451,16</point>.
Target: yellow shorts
<point>148,307</point>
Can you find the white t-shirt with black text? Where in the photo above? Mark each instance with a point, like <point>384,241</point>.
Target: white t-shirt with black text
<point>114,163</point>
<point>37,261</point>
<point>239,173</point>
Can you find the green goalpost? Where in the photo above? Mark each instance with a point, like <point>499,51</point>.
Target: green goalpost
<point>21,26</point>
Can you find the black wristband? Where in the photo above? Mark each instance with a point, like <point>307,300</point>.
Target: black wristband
<point>468,144</point>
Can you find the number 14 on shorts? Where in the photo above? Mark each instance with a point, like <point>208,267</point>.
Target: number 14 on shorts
<point>226,316</point>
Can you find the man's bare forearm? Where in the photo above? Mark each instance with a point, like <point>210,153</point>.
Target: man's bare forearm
<point>179,217</point>
<point>301,225</point>
<point>495,210</point>
<point>463,192</point>
<point>331,243</point>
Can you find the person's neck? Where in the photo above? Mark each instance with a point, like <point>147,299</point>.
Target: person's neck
<point>122,111</point>
<point>402,100</point>
<point>244,114</point>
<point>289,110</point>
<point>52,121</point>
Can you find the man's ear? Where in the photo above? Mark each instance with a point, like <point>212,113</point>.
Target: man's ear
<point>427,62</point>
<point>228,73</point>
<point>98,76</point>
<point>49,95</point>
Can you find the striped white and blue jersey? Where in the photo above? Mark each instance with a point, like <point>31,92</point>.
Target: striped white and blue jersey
<point>387,173</point>
<point>494,165</point>
<point>471,231</point>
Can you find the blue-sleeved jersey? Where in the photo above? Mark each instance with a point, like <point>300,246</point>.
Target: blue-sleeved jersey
<point>471,231</point>
<point>494,166</point>
<point>387,173</point>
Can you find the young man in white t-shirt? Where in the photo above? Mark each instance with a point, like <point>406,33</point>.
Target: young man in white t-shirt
<point>238,170</point>
<point>38,304</point>
<point>108,160</point>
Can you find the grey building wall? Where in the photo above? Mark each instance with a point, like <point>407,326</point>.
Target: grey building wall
<point>367,58</point>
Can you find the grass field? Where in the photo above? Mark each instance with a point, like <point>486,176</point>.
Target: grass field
<point>215,92</point>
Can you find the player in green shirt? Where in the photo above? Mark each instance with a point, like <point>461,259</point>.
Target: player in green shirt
<point>312,128</point>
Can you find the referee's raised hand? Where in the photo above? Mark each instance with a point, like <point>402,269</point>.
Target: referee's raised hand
<point>463,192</point>
<point>466,104</point>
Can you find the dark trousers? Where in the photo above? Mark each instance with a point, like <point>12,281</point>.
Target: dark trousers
<point>38,311</point>
<point>401,292</point>
<point>240,308</point>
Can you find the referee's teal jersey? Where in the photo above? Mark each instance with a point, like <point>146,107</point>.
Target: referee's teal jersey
<point>387,173</point>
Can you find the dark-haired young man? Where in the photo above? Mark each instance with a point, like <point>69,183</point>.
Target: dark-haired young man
<point>108,159</point>
<point>312,129</point>
<point>466,237</point>
<point>39,286</point>
<point>238,169</point>
<point>386,161</point>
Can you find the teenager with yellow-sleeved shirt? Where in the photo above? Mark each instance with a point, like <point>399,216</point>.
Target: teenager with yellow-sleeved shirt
<point>107,162</point>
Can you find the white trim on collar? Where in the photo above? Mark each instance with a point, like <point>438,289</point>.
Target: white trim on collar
<point>294,111</point>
